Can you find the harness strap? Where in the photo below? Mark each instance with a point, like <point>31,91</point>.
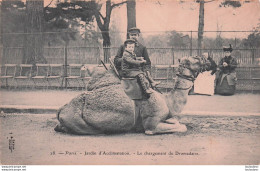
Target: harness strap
<point>179,88</point>
<point>187,77</point>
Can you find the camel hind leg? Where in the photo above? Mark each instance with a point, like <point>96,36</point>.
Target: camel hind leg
<point>78,126</point>
<point>71,121</point>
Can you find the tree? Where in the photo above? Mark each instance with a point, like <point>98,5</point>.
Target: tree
<point>68,15</point>
<point>104,21</point>
<point>34,26</point>
<point>13,16</point>
<point>157,40</point>
<point>66,18</point>
<point>252,41</point>
<point>225,3</point>
<point>131,14</point>
<point>219,40</point>
<point>201,27</point>
<point>177,39</point>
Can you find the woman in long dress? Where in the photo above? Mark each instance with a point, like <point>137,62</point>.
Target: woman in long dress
<point>204,83</point>
<point>226,77</point>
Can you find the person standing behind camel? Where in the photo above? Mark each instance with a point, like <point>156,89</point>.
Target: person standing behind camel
<point>132,67</point>
<point>140,51</point>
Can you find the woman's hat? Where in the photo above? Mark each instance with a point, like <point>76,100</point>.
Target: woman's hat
<point>228,48</point>
<point>134,30</point>
<point>129,41</point>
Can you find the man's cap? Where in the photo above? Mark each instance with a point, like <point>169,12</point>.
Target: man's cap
<point>227,48</point>
<point>134,30</point>
<point>129,41</point>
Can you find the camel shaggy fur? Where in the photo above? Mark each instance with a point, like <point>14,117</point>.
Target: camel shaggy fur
<point>105,108</point>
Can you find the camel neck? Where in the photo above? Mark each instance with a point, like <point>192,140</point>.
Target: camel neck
<point>183,83</point>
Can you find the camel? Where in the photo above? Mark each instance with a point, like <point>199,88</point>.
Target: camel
<point>105,108</point>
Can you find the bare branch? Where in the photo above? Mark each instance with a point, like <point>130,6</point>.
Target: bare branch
<point>209,1</point>
<point>49,4</point>
<point>118,4</point>
<point>101,15</point>
<point>97,16</point>
<point>158,2</point>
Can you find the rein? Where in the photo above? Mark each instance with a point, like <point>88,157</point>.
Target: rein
<point>186,78</point>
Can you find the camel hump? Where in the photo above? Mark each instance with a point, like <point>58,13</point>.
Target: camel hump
<point>132,88</point>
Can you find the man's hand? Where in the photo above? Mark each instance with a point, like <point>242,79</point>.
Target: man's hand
<point>143,61</point>
<point>225,64</point>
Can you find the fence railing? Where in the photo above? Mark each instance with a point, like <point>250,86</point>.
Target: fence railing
<point>92,55</point>
<point>170,55</point>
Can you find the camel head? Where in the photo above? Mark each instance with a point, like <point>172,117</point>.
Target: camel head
<point>190,66</point>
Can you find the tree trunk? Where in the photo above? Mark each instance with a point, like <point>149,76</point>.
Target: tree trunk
<point>33,30</point>
<point>1,37</point>
<point>201,27</point>
<point>131,14</point>
<point>104,27</point>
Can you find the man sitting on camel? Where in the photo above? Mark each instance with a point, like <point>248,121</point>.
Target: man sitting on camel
<point>140,51</point>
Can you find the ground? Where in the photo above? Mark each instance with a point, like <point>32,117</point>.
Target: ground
<point>248,103</point>
<point>214,140</point>
<point>221,130</point>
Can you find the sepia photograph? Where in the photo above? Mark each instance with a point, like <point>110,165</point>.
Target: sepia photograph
<point>129,82</point>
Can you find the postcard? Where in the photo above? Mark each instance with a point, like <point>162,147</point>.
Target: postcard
<point>135,82</point>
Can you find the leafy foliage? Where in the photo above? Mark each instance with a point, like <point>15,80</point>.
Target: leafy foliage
<point>232,3</point>
<point>13,13</point>
<point>252,41</point>
<point>69,17</point>
<point>178,39</point>
<point>13,17</point>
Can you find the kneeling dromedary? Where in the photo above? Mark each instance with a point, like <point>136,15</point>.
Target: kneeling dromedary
<point>105,107</point>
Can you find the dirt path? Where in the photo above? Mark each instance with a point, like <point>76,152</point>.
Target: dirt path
<point>210,140</point>
<point>248,103</point>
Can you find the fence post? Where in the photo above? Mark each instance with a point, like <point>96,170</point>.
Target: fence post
<point>253,56</point>
<point>99,56</point>
<point>106,54</point>
<point>1,54</point>
<point>190,43</point>
<point>65,63</point>
<point>172,49</point>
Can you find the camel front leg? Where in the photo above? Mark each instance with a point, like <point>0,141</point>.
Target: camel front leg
<point>172,120</point>
<point>163,128</point>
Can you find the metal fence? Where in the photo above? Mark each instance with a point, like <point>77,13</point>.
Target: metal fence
<point>248,59</point>
<point>170,55</point>
<point>92,55</point>
<point>164,47</point>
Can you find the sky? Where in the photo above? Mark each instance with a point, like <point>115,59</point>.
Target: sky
<point>158,16</point>
<point>166,15</point>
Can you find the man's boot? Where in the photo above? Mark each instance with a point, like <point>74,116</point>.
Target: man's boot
<point>144,84</point>
<point>151,80</point>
